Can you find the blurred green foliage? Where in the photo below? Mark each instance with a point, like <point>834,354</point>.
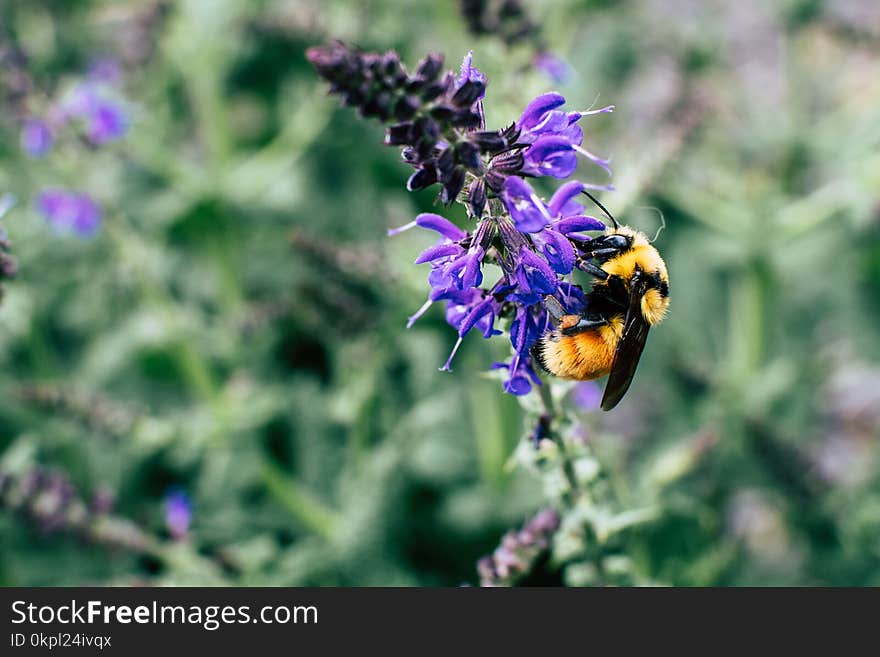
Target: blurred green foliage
<point>236,329</point>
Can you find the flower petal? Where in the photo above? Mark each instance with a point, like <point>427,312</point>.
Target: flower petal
<point>558,251</point>
<point>439,251</point>
<point>528,212</point>
<point>465,270</point>
<point>485,307</point>
<point>538,276</point>
<point>577,223</point>
<point>550,155</point>
<point>439,280</point>
<point>469,72</point>
<point>563,195</point>
<point>537,109</point>
<point>441,225</point>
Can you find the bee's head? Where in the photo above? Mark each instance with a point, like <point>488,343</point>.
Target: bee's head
<point>624,238</point>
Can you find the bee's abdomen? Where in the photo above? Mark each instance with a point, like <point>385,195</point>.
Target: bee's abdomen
<point>584,356</point>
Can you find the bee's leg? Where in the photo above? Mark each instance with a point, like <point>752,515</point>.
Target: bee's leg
<point>604,254</point>
<point>603,247</point>
<point>557,313</point>
<point>589,250</point>
<point>584,323</point>
<point>591,269</point>
<point>554,309</point>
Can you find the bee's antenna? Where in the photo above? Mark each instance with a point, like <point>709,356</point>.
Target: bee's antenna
<point>662,220</point>
<point>602,207</point>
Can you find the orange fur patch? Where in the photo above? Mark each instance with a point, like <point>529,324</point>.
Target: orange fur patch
<point>584,356</point>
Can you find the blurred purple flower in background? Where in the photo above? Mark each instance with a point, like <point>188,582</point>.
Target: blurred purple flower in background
<point>104,118</point>
<point>92,102</point>
<point>69,211</point>
<point>93,107</point>
<point>178,513</point>
<point>555,68</point>
<point>107,122</point>
<point>586,396</point>
<point>105,70</point>
<point>36,137</point>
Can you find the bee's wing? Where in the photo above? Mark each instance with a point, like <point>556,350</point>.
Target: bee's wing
<point>629,349</point>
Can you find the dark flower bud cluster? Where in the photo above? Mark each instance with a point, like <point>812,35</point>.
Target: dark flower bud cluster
<point>16,82</point>
<point>535,243</point>
<point>136,33</point>
<point>47,497</point>
<point>95,411</point>
<point>435,117</point>
<point>506,18</point>
<point>7,262</point>
<point>519,551</point>
<point>510,22</point>
<point>49,501</point>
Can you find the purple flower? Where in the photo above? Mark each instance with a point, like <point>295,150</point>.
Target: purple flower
<point>556,68</point>
<point>106,71</point>
<point>69,212</point>
<point>470,73</point>
<point>451,264</point>
<point>36,137</point>
<point>550,155</point>
<point>465,271</point>
<point>106,123</point>
<point>178,513</point>
<point>533,276</point>
<point>528,325</point>
<point>469,309</point>
<point>556,249</point>
<point>542,120</point>
<point>562,215</point>
<point>521,376</point>
<point>586,395</point>
<point>529,214</point>
<point>537,113</point>
<point>105,119</point>
<point>460,303</point>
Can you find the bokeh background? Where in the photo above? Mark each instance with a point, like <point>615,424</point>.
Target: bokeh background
<point>216,386</point>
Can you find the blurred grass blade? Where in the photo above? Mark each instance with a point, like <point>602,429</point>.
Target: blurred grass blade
<point>301,503</point>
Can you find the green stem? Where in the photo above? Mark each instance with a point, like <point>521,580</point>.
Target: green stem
<point>300,502</point>
<point>487,422</point>
<point>746,325</point>
<point>551,414</point>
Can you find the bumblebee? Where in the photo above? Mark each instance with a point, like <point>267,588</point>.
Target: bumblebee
<point>630,294</point>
